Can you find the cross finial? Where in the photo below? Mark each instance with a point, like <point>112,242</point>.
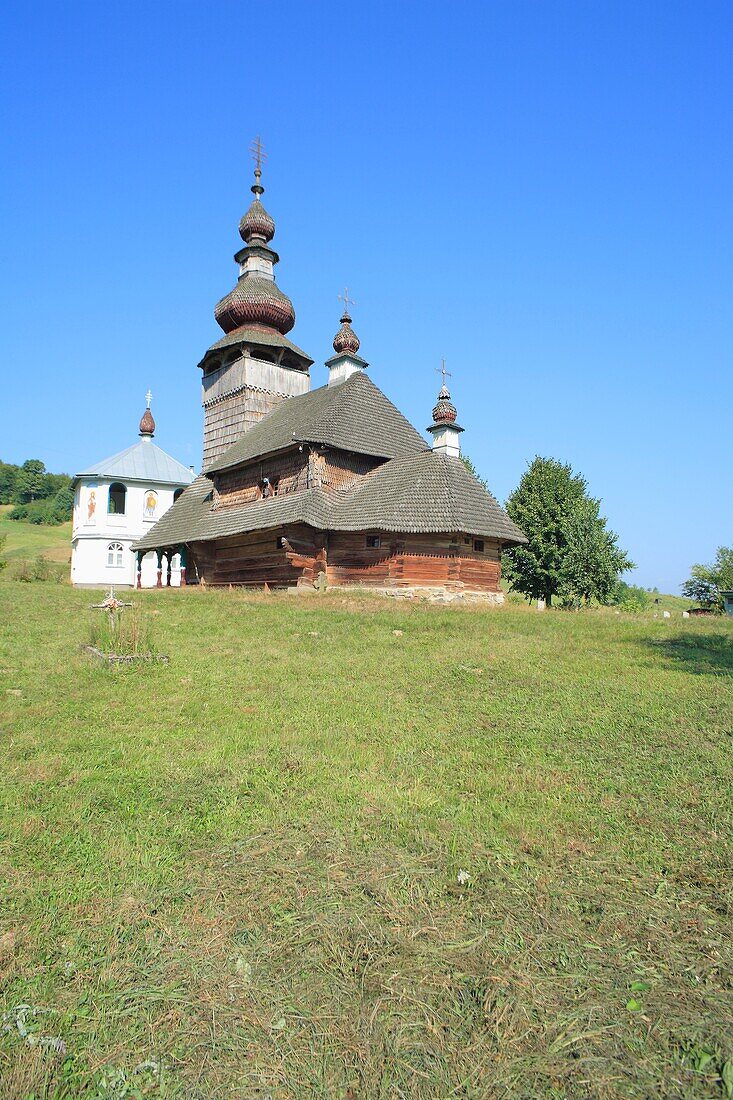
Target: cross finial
<point>148,398</point>
<point>346,299</point>
<point>441,370</point>
<point>258,154</point>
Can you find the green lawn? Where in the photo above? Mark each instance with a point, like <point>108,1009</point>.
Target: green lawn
<point>26,541</point>
<point>237,875</point>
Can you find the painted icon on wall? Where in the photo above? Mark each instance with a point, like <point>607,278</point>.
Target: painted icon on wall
<point>91,504</point>
<point>151,504</point>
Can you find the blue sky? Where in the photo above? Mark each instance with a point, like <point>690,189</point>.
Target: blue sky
<point>540,192</point>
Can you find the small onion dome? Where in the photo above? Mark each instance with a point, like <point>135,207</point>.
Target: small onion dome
<point>147,424</point>
<point>256,223</point>
<point>255,301</point>
<point>445,411</point>
<point>346,341</point>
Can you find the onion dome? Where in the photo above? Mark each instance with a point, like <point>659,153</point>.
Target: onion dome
<point>255,301</point>
<point>445,411</point>
<point>346,342</point>
<point>256,223</point>
<point>147,424</point>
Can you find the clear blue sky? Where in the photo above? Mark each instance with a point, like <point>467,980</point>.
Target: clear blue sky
<point>541,192</point>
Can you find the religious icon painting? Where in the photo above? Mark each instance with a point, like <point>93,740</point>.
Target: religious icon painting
<point>91,504</point>
<point>151,504</point>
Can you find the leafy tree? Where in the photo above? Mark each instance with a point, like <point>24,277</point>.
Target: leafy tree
<point>8,480</point>
<point>570,553</point>
<point>29,484</point>
<point>707,582</point>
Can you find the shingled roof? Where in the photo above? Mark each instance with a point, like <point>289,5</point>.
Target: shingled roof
<point>427,492</point>
<point>353,416</point>
<point>424,492</point>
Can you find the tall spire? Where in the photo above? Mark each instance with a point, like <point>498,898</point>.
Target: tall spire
<point>256,300</point>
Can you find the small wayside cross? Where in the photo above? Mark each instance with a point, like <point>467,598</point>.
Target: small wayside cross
<point>442,371</point>
<point>346,299</point>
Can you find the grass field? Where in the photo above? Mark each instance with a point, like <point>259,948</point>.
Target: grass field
<point>237,875</point>
<point>27,540</point>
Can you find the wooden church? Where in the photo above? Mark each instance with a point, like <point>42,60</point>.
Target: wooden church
<point>328,486</point>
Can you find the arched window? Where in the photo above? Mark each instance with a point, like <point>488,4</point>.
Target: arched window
<point>176,495</point>
<point>116,500</point>
<point>115,551</point>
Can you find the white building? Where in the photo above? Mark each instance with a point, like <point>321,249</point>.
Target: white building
<point>116,501</point>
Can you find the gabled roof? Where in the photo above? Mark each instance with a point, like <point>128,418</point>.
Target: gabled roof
<point>144,461</point>
<point>424,492</point>
<point>353,416</point>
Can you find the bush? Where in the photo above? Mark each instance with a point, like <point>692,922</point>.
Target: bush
<point>38,570</point>
<point>630,597</point>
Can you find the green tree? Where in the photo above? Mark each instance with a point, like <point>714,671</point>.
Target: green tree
<point>707,582</point>
<point>30,481</point>
<point>8,479</point>
<point>570,554</point>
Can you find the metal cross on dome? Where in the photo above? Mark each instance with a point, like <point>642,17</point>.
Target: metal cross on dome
<point>441,370</point>
<point>258,153</point>
<point>346,299</point>
<point>148,398</point>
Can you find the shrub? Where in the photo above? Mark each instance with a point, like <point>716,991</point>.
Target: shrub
<point>38,570</point>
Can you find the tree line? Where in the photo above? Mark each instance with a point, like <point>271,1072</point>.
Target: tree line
<point>37,495</point>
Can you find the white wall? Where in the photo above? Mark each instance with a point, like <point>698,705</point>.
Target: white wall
<point>94,528</point>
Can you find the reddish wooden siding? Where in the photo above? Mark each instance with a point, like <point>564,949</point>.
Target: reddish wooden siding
<point>412,560</point>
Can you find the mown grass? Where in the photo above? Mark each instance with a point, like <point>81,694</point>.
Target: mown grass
<point>29,540</point>
<point>237,875</point>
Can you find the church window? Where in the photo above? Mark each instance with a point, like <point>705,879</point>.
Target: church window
<point>116,501</point>
<point>115,552</point>
<point>478,545</point>
<point>373,542</point>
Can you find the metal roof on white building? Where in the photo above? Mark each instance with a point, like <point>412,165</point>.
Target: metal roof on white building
<point>144,461</point>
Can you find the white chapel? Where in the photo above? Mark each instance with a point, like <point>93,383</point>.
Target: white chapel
<point>116,501</point>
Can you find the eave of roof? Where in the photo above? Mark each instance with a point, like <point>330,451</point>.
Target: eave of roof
<point>425,493</point>
<point>257,334</point>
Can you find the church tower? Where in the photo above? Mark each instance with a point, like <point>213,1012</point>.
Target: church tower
<point>254,366</point>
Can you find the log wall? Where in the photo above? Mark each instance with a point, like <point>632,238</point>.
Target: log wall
<point>289,472</point>
<point>438,560</point>
<point>296,555</point>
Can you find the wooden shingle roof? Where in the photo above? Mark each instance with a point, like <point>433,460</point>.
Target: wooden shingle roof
<point>354,416</point>
<point>425,492</point>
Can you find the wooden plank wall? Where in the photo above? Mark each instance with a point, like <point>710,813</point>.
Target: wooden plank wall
<point>256,559</point>
<point>413,560</point>
<point>280,558</point>
<point>287,473</point>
